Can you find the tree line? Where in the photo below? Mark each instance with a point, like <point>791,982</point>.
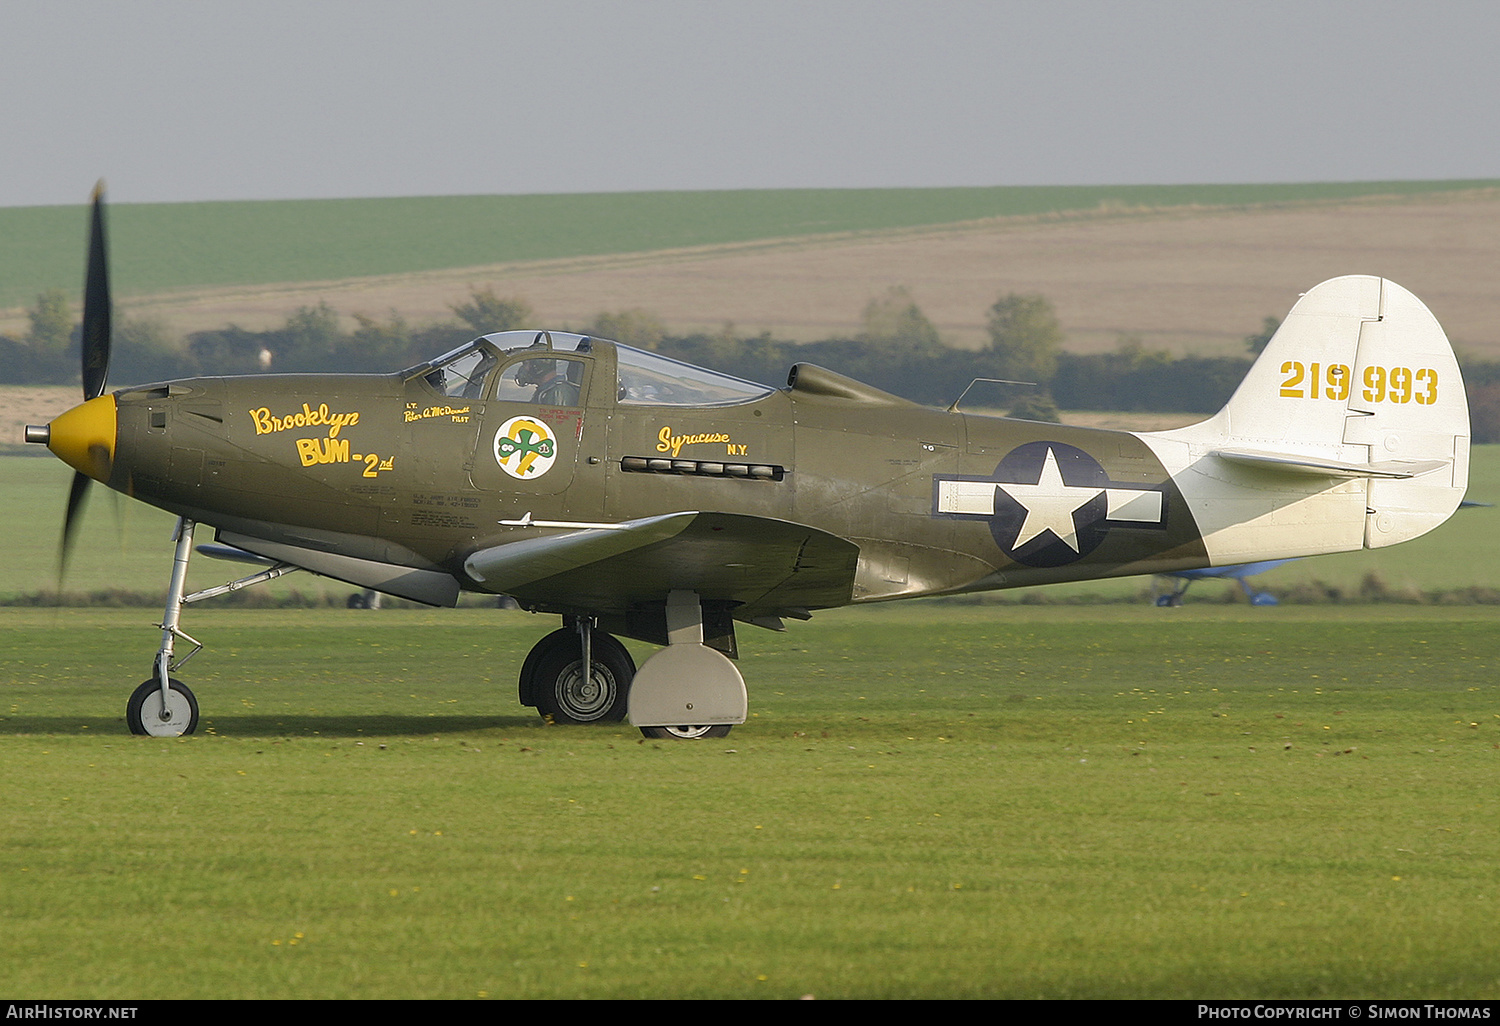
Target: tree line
<point>896,349</point>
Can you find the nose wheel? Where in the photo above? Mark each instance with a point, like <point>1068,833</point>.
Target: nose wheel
<point>149,713</point>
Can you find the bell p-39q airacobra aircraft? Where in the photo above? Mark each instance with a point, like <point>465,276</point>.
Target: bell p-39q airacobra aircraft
<point>634,495</point>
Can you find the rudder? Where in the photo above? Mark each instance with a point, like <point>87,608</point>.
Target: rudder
<point>1407,405</point>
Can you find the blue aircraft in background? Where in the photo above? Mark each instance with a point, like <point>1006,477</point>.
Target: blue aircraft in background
<point>1241,572</point>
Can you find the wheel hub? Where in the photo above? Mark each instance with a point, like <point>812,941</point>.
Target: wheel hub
<point>688,731</point>
<point>586,697</point>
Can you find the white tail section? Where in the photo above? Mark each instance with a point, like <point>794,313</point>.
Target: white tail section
<point>1351,430</point>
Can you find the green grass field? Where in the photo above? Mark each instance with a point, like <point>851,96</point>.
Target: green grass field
<point>164,246</point>
<point>928,802</point>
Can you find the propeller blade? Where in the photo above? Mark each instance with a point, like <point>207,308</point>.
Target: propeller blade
<point>76,496</point>
<point>96,305</point>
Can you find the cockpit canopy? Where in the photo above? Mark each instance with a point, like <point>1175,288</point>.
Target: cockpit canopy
<point>642,378</point>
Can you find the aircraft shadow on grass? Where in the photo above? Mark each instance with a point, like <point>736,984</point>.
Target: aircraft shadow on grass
<point>361,728</point>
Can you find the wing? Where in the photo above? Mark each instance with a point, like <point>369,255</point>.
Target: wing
<point>762,564</point>
<point>430,586</point>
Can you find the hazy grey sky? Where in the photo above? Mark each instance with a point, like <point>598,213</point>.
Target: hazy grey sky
<point>222,100</point>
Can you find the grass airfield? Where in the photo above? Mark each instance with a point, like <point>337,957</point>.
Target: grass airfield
<point>930,800</point>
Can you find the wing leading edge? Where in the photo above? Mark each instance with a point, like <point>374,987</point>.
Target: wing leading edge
<point>761,564</point>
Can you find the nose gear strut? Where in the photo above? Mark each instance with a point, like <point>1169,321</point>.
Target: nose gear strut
<point>163,706</point>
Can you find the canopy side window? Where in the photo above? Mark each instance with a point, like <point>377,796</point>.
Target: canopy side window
<point>544,381</point>
<point>647,379</point>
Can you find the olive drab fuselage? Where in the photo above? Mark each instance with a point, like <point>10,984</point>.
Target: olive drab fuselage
<point>408,470</point>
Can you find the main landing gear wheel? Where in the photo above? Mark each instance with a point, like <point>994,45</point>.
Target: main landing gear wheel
<point>145,715</point>
<point>552,678</point>
<point>688,733</point>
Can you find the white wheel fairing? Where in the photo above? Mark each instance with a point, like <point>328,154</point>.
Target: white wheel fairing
<point>145,714</point>
<point>687,684</point>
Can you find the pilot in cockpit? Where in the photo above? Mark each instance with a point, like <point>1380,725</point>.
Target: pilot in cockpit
<point>553,388</point>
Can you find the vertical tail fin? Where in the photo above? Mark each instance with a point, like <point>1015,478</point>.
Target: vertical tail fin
<point>1350,430</point>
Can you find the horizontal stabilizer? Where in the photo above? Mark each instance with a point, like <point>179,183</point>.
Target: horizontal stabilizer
<point>1297,464</point>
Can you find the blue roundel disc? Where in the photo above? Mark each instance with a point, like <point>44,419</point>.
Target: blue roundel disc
<point>1050,504</point>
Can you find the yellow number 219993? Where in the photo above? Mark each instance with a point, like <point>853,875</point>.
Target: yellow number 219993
<point>1381,384</point>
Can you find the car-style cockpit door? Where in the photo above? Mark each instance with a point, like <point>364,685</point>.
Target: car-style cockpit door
<point>533,423</point>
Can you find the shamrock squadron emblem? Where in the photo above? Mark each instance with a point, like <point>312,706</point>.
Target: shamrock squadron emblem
<point>525,448</point>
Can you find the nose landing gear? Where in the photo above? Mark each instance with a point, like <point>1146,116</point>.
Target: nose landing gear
<point>163,706</point>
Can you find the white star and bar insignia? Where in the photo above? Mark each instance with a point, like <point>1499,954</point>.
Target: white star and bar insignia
<point>1051,504</point>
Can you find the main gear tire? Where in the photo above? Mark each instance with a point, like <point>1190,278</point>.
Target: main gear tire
<point>557,685</point>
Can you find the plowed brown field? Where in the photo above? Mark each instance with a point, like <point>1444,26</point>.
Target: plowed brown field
<point>1184,279</point>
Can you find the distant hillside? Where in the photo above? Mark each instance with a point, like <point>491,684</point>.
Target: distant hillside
<point>160,247</point>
